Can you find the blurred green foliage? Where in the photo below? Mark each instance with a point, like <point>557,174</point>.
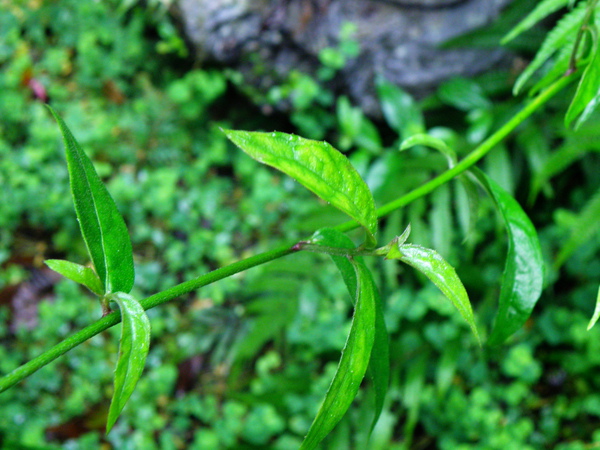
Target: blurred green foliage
<point>244,362</point>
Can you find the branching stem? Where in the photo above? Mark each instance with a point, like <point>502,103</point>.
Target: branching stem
<point>114,318</point>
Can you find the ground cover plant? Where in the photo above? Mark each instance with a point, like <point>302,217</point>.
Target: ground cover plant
<point>249,419</point>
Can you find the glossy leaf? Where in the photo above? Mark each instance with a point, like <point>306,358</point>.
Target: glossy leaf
<point>78,273</point>
<point>379,365</point>
<point>431,264</point>
<point>102,226</point>
<point>133,349</point>
<point>355,355</point>
<point>523,276</point>
<point>587,96</point>
<point>596,315</point>
<point>317,166</point>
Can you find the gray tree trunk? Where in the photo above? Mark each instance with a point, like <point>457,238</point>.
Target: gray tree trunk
<point>398,39</point>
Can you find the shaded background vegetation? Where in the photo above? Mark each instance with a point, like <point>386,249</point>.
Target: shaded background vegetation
<point>243,363</point>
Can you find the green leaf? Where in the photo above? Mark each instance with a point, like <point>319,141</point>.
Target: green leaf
<point>596,315</point>
<point>583,228</point>
<point>399,109</point>
<point>431,264</point>
<point>559,36</point>
<point>463,94</point>
<point>78,273</point>
<point>133,349</point>
<point>467,204</point>
<point>440,215</point>
<point>355,356</point>
<point>446,367</point>
<point>102,226</point>
<point>349,118</point>
<point>368,137</point>
<point>543,9</point>
<point>319,167</point>
<point>564,156</point>
<point>587,96</point>
<point>432,142</point>
<point>413,394</point>
<point>523,276</point>
<point>379,366</point>
<point>560,66</point>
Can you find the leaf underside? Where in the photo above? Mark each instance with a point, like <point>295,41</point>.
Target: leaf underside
<point>367,345</point>
<point>78,273</point>
<point>133,349</point>
<point>379,366</point>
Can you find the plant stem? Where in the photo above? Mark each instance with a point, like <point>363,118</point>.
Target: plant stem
<point>108,321</point>
<point>308,246</point>
<point>114,318</point>
<point>472,157</point>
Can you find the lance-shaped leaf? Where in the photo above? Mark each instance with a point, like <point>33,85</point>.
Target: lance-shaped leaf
<point>102,226</point>
<point>555,40</point>
<point>354,360</point>
<point>441,273</point>
<point>596,314</point>
<point>319,167</point>
<point>133,349</point>
<point>379,366</point>
<point>587,97</point>
<point>78,273</point>
<point>523,275</point>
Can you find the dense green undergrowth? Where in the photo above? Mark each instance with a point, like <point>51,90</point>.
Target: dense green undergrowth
<point>244,363</point>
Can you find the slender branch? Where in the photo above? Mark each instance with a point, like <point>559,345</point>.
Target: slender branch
<point>112,319</point>
<point>309,246</point>
<point>472,157</point>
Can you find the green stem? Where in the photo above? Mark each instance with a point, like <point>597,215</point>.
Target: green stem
<point>114,318</point>
<point>308,246</point>
<point>108,321</point>
<point>472,157</point>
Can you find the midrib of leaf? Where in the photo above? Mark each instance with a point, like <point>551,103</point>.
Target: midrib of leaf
<point>106,280</point>
<point>317,166</point>
<point>337,193</point>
